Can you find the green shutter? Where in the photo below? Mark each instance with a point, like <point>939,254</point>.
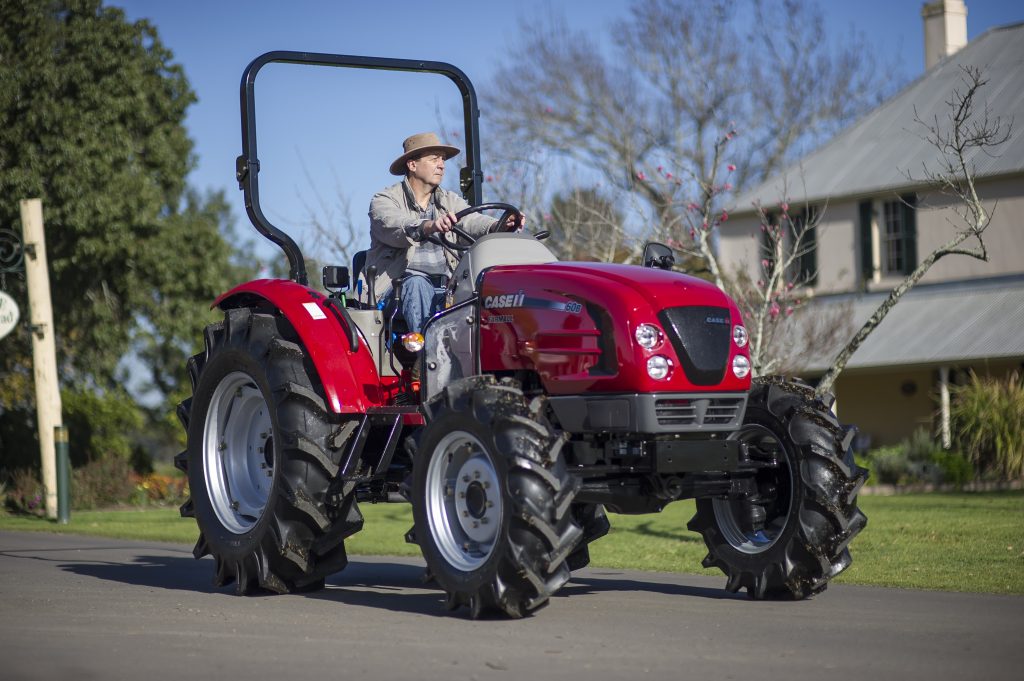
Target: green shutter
<point>910,233</point>
<point>867,263</point>
<point>809,260</point>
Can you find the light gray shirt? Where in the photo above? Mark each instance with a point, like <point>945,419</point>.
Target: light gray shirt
<point>396,233</point>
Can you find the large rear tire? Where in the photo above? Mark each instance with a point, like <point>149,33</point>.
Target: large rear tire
<point>794,537</point>
<point>260,460</point>
<point>491,499</point>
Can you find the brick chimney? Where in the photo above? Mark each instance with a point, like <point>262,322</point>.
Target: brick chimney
<point>945,29</point>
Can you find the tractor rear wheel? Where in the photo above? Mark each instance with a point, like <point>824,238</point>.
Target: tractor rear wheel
<point>259,461</point>
<point>491,499</point>
<point>793,536</point>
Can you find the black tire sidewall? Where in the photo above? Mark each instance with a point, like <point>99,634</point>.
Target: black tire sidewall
<point>222,541</point>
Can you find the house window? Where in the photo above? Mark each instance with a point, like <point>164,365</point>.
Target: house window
<point>896,238</point>
<point>888,243</point>
<point>799,236</point>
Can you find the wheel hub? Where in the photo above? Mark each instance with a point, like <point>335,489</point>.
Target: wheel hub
<point>463,500</point>
<point>754,525</point>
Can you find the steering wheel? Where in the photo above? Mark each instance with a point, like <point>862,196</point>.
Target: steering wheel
<point>504,224</point>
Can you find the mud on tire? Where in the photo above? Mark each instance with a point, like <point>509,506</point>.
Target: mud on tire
<point>809,499</point>
<point>491,499</point>
<point>262,451</point>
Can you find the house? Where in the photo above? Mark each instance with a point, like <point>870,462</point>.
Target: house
<point>878,219</point>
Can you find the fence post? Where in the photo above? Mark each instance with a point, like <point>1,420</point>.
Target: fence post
<point>44,353</point>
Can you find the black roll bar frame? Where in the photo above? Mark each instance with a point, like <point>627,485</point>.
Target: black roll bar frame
<point>247,166</point>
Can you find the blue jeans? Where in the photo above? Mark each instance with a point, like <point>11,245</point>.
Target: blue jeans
<point>420,301</point>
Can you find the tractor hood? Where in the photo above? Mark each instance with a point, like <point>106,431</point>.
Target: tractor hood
<point>575,324</point>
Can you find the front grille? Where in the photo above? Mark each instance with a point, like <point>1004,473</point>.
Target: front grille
<point>717,411</point>
<point>701,337</point>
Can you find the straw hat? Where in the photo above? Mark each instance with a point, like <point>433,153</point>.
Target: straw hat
<point>419,144</point>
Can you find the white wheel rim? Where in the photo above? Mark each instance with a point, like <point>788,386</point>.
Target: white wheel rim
<point>238,457</point>
<point>463,500</point>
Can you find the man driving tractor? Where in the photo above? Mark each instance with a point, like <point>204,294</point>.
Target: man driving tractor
<point>404,215</point>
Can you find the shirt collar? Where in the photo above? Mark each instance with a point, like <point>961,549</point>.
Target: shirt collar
<point>411,198</point>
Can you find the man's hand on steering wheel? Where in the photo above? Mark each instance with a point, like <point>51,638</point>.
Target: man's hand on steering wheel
<point>511,220</point>
<point>441,225</point>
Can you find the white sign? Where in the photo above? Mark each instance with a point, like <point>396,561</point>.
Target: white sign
<point>8,314</point>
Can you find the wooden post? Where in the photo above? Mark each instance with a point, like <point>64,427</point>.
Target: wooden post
<point>44,351</point>
<point>947,436</point>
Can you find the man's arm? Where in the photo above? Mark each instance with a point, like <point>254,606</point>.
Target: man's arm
<point>391,224</point>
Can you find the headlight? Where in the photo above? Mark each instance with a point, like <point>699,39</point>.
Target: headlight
<point>648,336</point>
<point>740,366</point>
<point>413,342</point>
<point>739,335</point>
<point>658,367</point>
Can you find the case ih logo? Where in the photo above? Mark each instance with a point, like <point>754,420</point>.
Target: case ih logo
<point>717,320</point>
<point>507,300</point>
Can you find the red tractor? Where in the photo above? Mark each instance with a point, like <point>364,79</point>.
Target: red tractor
<point>550,391</point>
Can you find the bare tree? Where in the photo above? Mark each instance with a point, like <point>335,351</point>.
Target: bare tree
<point>585,225</point>
<point>964,132</point>
<point>668,87</point>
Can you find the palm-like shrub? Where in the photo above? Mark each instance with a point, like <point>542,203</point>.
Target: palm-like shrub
<point>988,422</point>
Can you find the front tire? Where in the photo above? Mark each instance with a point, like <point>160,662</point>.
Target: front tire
<point>491,499</point>
<point>260,462</point>
<point>792,538</point>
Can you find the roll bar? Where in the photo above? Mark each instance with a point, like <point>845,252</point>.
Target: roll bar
<point>247,166</point>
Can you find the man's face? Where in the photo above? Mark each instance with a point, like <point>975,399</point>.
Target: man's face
<point>428,169</point>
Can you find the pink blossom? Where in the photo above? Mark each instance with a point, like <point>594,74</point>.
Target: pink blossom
<point>727,186</point>
<point>763,228</point>
<point>774,310</point>
<point>640,175</point>
<point>547,217</point>
<point>692,206</point>
<point>760,283</point>
<point>704,225</point>
<point>693,233</point>
<point>547,109</point>
<point>661,168</point>
<point>668,176</point>
<point>725,216</point>
<point>765,263</point>
<point>789,311</point>
<point>784,206</point>
<point>731,167</point>
<point>489,178</point>
<point>789,286</point>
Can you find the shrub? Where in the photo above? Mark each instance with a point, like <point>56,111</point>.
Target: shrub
<point>106,482</point>
<point>916,460</point>
<point>100,424</point>
<point>25,493</point>
<point>988,419</point>
<point>161,490</point>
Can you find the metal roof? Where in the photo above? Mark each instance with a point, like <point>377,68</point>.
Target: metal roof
<point>874,155</point>
<point>934,324</point>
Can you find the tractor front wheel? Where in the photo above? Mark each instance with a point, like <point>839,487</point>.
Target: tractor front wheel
<point>492,499</point>
<point>792,536</point>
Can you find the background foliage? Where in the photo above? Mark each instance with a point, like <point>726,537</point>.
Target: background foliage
<point>92,112</point>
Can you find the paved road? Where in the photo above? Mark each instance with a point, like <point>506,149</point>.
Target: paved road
<point>92,608</point>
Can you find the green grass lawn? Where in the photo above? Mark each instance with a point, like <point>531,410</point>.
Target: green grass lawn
<point>955,542</point>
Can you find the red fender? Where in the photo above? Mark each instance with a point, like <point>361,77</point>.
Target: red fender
<point>350,379</point>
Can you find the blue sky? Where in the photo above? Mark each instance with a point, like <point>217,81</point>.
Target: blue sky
<point>346,141</point>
